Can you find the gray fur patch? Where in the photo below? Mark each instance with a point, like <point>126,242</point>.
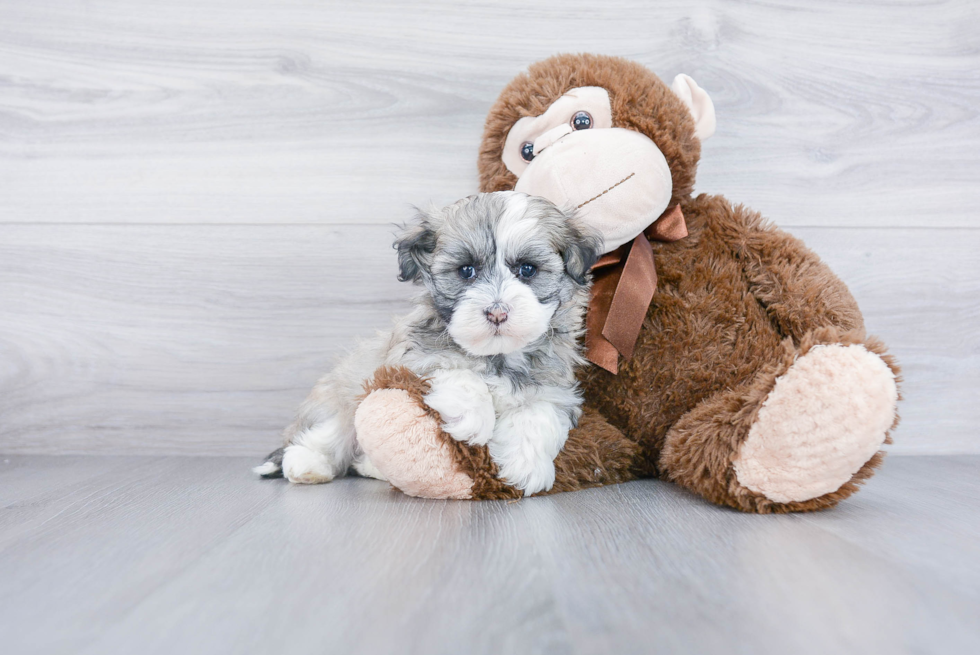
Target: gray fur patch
<point>470,233</point>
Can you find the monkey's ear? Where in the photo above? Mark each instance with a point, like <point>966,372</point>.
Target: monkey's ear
<point>699,104</point>
<point>415,245</point>
<point>581,250</point>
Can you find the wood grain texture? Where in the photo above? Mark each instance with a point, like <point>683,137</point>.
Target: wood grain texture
<point>919,290</point>
<point>186,339</point>
<point>194,555</point>
<point>195,200</point>
<point>195,197</point>
<point>204,339</point>
<point>239,111</point>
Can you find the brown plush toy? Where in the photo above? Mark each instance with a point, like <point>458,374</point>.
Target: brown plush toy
<point>727,357</point>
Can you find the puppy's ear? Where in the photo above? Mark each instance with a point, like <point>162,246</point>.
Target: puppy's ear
<point>582,248</point>
<point>415,245</point>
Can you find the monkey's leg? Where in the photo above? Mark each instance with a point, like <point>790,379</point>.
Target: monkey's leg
<point>802,435</point>
<point>596,454</point>
<point>403,440</point>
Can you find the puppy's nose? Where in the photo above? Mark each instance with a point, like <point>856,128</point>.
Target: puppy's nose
<point>496,313</point>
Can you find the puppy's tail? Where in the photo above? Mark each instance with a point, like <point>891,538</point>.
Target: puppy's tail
<point>272,467</point>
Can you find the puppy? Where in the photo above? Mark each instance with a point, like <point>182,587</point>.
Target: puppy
<point>497,333</point>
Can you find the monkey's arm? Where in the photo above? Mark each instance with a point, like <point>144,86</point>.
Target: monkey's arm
<point>799,292</point>
<point>403,440</point>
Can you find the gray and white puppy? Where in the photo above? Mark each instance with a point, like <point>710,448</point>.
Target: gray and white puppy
<point>497,332</point>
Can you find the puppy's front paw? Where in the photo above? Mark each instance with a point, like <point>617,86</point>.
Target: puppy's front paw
<point>525,444</point>
<point>464,403</point>
<point>530,472</point>
<point>301,465</point>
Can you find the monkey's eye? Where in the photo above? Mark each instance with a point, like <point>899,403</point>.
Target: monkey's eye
<point>582,120</point>
<point>527,151</point>
<point>467,272</point>
<point>526,271</point>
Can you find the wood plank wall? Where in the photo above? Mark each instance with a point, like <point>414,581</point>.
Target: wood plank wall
<point>196,198</point>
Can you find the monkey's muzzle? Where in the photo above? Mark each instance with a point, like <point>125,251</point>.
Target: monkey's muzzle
<point>616,179</point>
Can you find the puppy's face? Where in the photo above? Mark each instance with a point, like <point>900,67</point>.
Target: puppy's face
<point>498,266</point>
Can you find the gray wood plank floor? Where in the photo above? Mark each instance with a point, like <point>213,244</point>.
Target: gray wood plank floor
<point>194,555</point>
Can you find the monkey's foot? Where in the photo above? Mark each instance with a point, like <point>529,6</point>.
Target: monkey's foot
<point>826,416</point>
<point>405,443</point>
<point>402,438</point>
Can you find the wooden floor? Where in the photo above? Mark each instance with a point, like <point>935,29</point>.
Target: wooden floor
<point>183,555</point>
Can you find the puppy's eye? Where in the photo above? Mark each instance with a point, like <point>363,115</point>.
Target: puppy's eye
<point>582,120</point>
<point>527,151</point>
<point>526,271</point>
<point>467,272</point>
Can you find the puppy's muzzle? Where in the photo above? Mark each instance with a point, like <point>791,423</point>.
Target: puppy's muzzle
<point>496,313</point>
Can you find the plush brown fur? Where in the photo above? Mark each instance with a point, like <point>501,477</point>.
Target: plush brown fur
<point>737,301</point>
<point>595,455</point>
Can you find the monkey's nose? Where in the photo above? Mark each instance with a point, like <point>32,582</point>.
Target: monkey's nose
<point>550,137</point>
<point>496,313</point>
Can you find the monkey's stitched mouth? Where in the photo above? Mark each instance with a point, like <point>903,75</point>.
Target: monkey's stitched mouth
<point>596,197</point>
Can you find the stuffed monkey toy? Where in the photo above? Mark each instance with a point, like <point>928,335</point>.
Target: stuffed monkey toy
<point>726,357</point>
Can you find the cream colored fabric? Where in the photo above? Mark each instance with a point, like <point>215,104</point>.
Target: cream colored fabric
<point>699,104</point>
<point>825,417</point>
<point>402,441</point>
<point>617,180</point>
<point>550,137</point>
<point>592,99</point>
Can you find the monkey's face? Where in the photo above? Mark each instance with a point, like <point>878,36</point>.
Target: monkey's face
<point>616,179</point>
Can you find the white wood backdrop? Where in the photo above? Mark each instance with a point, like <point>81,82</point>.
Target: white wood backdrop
<point>196,197</point>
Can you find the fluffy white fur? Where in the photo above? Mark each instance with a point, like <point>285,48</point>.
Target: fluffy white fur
<point>464,403</point>
<point>509,385</point>
<point>523,433</point>
<point>525,317</point>
<point>529,434</point>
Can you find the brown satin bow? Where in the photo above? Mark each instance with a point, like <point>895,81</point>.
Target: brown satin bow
<point>624,282</point>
